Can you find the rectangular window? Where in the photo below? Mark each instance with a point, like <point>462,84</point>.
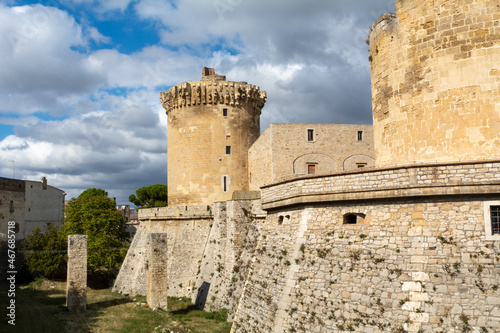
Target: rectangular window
<point>228,150</point>
<point>311,169</point>
<point>224,112</point>
<point>360,135</point>
<point>492,220</point>
<point>310,135</point>
<point>495,220</point>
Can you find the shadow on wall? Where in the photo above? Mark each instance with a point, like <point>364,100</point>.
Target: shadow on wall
<point>201,298</point>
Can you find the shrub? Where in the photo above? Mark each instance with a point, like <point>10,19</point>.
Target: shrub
<point>45,252</point>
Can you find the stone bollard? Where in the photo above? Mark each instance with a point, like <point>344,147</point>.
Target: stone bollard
<point>76,287</point>
<point>157,270</point>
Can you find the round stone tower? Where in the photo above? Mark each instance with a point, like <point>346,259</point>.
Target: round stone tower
<point>211,125</point>
<point>435,68</point>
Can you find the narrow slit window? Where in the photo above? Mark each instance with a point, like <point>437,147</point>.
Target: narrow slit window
<point>310,135</point>
<point>495,220</point>
<point>360,135</point>
<point>224,112</point>
<point>11,207</point>
<point>228,150</point>
<point>224,183</point>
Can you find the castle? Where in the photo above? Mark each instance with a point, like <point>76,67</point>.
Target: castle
<point>397,229</point>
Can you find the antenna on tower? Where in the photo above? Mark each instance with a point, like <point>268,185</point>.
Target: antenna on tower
<point>13,168</point>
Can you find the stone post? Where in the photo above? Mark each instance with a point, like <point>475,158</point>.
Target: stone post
<point>157,270</point>
<point>76,288</point>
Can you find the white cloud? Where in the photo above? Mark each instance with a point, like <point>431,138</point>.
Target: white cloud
<point>309,56</point>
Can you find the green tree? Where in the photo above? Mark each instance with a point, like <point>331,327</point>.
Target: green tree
<point>94,214</point>
<point>150,196</point>
<point>45,252</point>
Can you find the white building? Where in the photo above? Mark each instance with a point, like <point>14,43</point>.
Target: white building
<point>30,204</point>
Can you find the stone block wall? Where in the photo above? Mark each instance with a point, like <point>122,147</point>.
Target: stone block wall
<point>435,68</point>
<point>284,151</point>
<point>187,237</point>
<point>416,259</point>
<point>208,247</point>
<point>412,264</point>
<point>417,180</point>
<point>228,255</point>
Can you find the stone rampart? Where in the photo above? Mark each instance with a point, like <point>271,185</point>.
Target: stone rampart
<point>410,181</point>
<point>187,230</point>
<point>227,258</point>
<point>415,262</point>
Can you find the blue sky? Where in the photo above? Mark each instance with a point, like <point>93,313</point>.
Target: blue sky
<point>80,79</point>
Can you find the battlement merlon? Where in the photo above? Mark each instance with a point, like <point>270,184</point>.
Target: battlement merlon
<point>213,92</point>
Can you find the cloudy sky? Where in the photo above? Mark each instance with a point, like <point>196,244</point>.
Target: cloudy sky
<point>80,79</point>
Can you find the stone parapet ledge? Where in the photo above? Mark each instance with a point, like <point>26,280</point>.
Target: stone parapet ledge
<point>480,177</point>
<point>176,213</point>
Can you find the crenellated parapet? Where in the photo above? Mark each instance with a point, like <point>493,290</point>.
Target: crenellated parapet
<point>214,92</point>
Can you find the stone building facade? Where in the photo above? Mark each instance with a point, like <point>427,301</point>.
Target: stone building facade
<point>410,245</point>
<point>435,82</point>
<point>30,204</point>
<point>286,151</point>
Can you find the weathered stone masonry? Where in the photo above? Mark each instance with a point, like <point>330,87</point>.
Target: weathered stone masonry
<point>76,286</point>
<point>205,245</point>
<point>417,260</point>
<point>435,68</point>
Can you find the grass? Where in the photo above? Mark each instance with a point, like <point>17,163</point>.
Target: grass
<point>40,307</point>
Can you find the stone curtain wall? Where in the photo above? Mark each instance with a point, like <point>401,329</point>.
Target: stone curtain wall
<point>211,245</point>
<point>434,179</point>
<point>229,252</point>
<point>187,230</point>
<point>435,70</point>
<point>412,264</point>
<point>417,258</point>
